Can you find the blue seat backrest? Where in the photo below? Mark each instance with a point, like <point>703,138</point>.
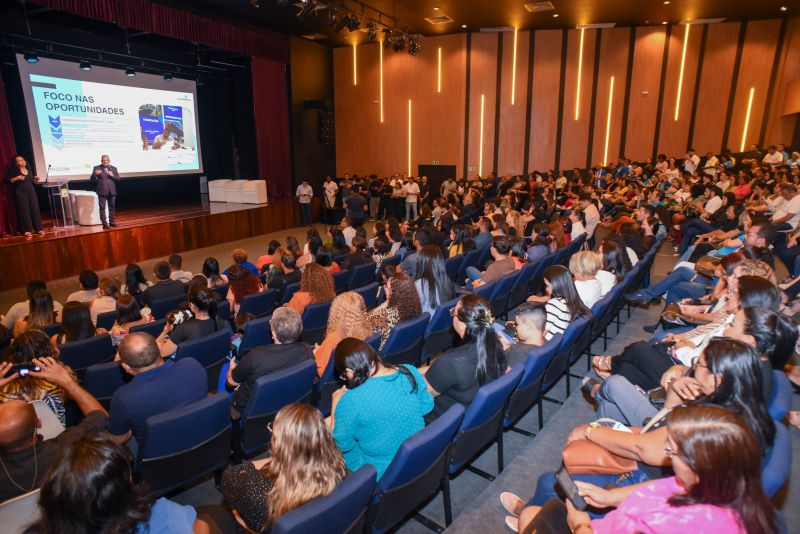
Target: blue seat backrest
<point>573,332</point>
<point>419,451</point>
<point>289,291</point>
<point>256,332</point>
<point>505,284</point>
<point>106,319</point>
<point>780,401</point>
<point>81,354</point>
<point>154,328</point>
<point>274,391</point>
<point>486,290</point>
<point>103,379</point>
<point>374,341</point>
<point>407,333</point>
<point>441,319</point>
<point>208,349</point>
<point>369,293</point>
<point>471,259</point>
<point>221,291</point>
<point>362,274</point>
<point>335,512</point>
<point>537,361</point>
<point>777,462</point>
<point>160,308</point>
<point>490,398</point>
<point>185,427</point>
<point>259,303</point>
<point>316,315</point>
<point>340,280</point>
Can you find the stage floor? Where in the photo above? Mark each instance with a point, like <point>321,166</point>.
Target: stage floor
<point>134,217</point>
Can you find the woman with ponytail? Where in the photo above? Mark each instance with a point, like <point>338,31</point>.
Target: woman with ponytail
<point>204,320</point>
<point>456,376</point>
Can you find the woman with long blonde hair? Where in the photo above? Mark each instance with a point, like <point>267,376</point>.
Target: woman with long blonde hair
<point>347,318</point>
<point>305,464</point>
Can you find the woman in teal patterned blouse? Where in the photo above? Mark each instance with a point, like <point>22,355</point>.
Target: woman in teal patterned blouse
<point>380,407</point>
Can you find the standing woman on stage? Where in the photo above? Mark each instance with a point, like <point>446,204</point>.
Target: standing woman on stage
<point>21,177</point>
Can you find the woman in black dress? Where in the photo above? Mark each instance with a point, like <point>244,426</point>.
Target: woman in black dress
<point>22,177</point>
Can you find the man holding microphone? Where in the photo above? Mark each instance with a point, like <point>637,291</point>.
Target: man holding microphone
<point>105,177</point>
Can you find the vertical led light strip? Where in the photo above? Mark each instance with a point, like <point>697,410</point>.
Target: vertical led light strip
<point>480,145</point>
<point>409,137</point>
<point>439,71</point>
<point>680,76</point>
<point>514,70</point>
<point>355,73</point>
<point>747,118</point>
<point>578,88</point>
<point>608,120</point>
<point>380,84</point>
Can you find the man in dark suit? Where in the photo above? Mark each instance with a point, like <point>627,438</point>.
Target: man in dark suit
<point>165,287</point>
<point>105,177</point>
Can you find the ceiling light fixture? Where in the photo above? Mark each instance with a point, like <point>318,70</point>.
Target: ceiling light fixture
<point>353,23</point>
<point>306,8</point>
<point>372,31</point>
<point>463,25</point>
<point>436,8</point>
<point>555,15</point>
<point>130,72</point>
<point>784,8</point>
<point>666,2</point>
<point>664,23</point>
<point>167,77</point>
<point>85,65</point>
<point>387,37</point>
<point>332,18</point>
<point>414,47</point>
<point>31,57</point>
<point>399,43</point>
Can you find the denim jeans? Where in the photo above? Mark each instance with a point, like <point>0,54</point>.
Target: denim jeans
<point>473,273</point>
<point>620,400</point>
<point>305,214</point>
<point>682,274</point>
<point>411,206</point>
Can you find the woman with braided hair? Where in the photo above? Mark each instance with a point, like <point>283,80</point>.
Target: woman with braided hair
<point>456,376</point>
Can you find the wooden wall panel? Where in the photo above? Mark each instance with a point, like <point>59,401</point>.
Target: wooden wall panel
<point>511,153</point>
<point>758,54</point>
<point>715,86</point>
<point>483,81</point>
<point>544,105</point>
<point>780,128</point>
<point>643,107</point>
<point>575,133</point>
<point>613,62</point>
<point>674,134</point>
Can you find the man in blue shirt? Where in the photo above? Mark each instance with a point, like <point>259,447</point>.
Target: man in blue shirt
<point>157,387</point>
<point>484,236</point>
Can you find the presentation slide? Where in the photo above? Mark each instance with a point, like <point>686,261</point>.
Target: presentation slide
<point>148,127</point>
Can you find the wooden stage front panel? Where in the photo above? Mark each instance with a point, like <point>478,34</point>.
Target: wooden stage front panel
<point>142,234</point>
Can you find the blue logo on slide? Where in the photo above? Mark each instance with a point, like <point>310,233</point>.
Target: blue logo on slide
<point>55,131</point>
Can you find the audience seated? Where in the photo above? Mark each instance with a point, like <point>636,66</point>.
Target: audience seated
<point>241,283</point>
<point>211,272</point>
<point>158,385</point>
<point>200,320</point>
<point>108,291</point>
<point>378,408</point>
<point>176,269</point>
<point>22,309</point>
<point>90,489</point>
<point>128,315</point>
<point>285,351</point>
<point>562,302</point>
<point>76,324</point>
<point>347,318</point>
<point>41,312</point>
<point>135,282</point>
<point>502,265</point>
<point>402,303</point>
<point>433,285</point>
<point>456,376</point>
<point>87,282</point>
<point>584,266</point>
<point>530,327</point>
<point>239,257</point>
<point>265,260</point>
<point>164,288</point>
<point>25,455</point>
<point>316,286</point>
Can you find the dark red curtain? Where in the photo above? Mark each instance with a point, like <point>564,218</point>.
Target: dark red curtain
<point>271,114</point>
<point>163,20</point>
<point>8,213</point>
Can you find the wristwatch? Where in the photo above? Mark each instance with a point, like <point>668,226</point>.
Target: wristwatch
<point>588,432</point>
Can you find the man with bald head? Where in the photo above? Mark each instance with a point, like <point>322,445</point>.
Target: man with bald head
<point>24,455</point>
<point>157,386</point>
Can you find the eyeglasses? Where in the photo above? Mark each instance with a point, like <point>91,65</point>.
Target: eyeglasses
<point>696,363</point>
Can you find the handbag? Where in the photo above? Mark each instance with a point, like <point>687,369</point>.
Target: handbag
<point>584,457</point>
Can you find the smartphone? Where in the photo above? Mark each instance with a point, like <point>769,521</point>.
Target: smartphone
<point>22,369</point>
<point>569,488</point>
<point>657,396</point>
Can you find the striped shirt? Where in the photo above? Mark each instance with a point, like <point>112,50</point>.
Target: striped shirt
<point>558,316</point>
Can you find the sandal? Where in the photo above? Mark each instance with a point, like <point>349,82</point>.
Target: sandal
<point>28,234</point>
<point>511,503</point>
<point>602,363</point>
<point>590,387</point>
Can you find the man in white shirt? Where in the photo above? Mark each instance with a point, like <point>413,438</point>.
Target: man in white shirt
<point>448,186</point>
<point>789,213</point>
<point>304,193</point>
<point>710,167</point>
<point>87,281</point>
<point>713,202</point>
<point>591,214</point>
<point>348,231</point>
<point>411,192</point>
<point>724,181</point>
<point>561,182</point>
<point>330,189</point>
<point>176,271</point>
<point>691,161</point>
<point>773,158</point>
<point>21,309</point>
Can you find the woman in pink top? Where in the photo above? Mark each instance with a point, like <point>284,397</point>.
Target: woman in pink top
<point>716,488</point>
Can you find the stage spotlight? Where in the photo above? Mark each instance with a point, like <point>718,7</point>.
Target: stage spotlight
<point>332,18</point>
<point>31,57</point>
<point>387,37</point>
<point>372,32</point>
<point>167,77</point>
<point>342,23</point>
<point>306,8</point>
<point>414,47</point>
<point>399,43</point>
<point>353,23</point>
<point>130,72</point>
<point>85,65</point>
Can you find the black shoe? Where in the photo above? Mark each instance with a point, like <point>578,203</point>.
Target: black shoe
<point>650,329</point>
<point>635,299</point>
<point>113,224</point>
<point>105,226</point>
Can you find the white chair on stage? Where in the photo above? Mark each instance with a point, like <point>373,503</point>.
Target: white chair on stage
<point>216,190</point>
<point>233,191</point>
<point>254,192</point>
<point>85,207</point>
<point>19,512</point>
